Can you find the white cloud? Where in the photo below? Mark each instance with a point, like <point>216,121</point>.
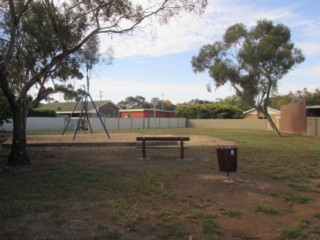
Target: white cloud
<point>188,31</point>
<point>304,76</point>
<point>308,72</point>
<point>310,27</point>
<point>309,48</point>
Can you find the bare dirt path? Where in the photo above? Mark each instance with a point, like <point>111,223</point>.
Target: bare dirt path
<point>195,140</point>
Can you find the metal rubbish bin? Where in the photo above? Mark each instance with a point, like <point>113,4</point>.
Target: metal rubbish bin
<point>227,159</point>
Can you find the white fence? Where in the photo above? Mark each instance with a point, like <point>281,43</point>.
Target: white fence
<point>313,126</point>
<point>39,124</point>
<point>59,123</point>
<point>258,124</point>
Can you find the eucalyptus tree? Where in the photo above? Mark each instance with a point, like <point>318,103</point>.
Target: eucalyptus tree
<point>252,61</point>
<point>46,41</point>
<point>134,102</point>
<point>69,92</point>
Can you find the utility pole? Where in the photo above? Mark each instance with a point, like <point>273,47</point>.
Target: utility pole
<point>100,95</point>
<point>154,101</point>
<point>162,101</point>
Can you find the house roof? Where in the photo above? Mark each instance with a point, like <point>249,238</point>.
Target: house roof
<point>313,105</point>
<point>67,107</point>
<point>254,111</point>
<point>142,110</point>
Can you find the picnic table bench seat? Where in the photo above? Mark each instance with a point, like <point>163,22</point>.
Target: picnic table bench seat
<point>163,139</point>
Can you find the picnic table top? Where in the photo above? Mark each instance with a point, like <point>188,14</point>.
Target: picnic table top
<point>163,138</point>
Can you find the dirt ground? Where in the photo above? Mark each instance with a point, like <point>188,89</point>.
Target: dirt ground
<point>195,140</point>
<point>205,186</point>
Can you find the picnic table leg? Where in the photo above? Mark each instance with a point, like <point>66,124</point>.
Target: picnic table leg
<point>181,149</point>
<point>143,149</point>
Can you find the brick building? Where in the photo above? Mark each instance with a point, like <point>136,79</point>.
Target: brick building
<point>146,113</point>
<point>254,114</point>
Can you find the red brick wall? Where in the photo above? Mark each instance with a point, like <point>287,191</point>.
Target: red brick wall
<point>146,114</point>
<point>293,118</point>
<point>132,114</point>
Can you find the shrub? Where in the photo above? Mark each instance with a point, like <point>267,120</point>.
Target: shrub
<point>42,112</point>
<point>208,111</point>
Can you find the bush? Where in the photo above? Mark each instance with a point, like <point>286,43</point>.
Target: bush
<point>208,111</point>
<point>42,113</point>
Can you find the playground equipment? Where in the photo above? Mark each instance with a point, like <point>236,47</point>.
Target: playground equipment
<point>83,117</point>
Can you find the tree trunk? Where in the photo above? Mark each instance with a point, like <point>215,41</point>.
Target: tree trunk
<point>18,155</point>
<point>272,124</point>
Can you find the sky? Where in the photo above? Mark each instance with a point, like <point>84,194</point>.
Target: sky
<point>156,60</point>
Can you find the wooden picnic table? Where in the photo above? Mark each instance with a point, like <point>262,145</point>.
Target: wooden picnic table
<point>163,139</point>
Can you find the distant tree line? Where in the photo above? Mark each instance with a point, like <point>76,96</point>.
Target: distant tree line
<point>42,113</point>
<point>230,107</point>
<point>208,111</point>
<point>141,102</point>
<point>299,96</point>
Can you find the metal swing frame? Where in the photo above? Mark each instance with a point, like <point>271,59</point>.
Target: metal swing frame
<point>84,110</point>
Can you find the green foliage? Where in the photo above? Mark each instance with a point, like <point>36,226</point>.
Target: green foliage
<point>51,41</point>
<point>208,111</point>
<point>141,102</point>
<point>41,112</point>
<point>5,111</point>
<point>303,95</point>
<point>235,101</point>
<point>134,102</point>
<point>252,61</point>
<point>69,93</point>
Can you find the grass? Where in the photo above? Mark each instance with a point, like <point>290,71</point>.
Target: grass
<point>57,218</point>
<point>263,151</point>
<point>291,198</point>
<point>242,235</point>
<point>110,194</point>
<point>48,190</point>
<point>173,230</point>
<point>300,187</point>
<point>309,226</point>
<point>317,215</point>
<point>210,226</point>
<point>267,209</point>
<point>292,233</point>
<point>234,213</point>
